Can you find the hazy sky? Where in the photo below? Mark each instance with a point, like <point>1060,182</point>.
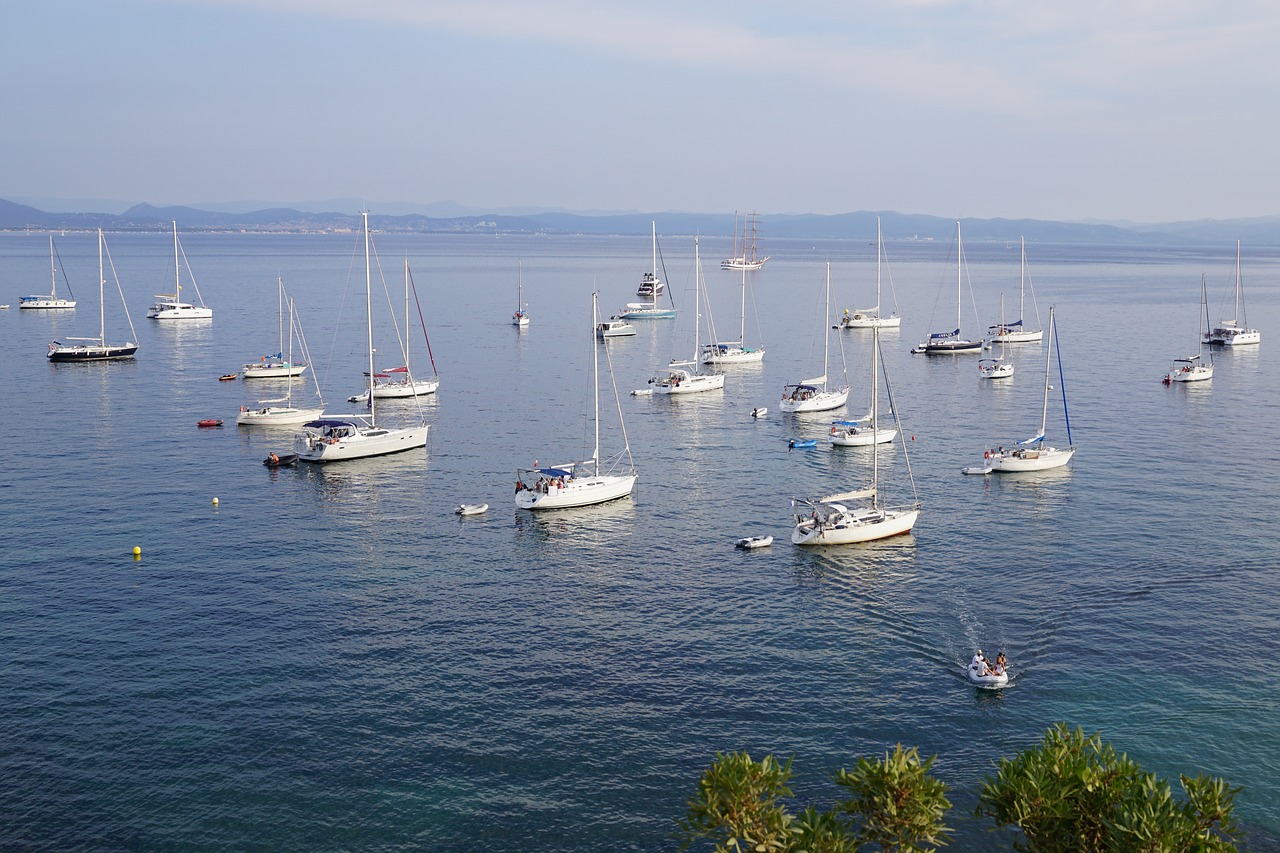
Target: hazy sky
<point>1112,109</point>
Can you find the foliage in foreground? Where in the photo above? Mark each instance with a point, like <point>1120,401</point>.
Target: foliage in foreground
<point>1070,794</point>
<point>892,803</point>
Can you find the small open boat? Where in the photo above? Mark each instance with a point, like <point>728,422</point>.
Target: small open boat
<point>280,460</point>
<point>989,681</point>
<point>760,412</point>
<point>754,542</point>
<point>471,509</point>
<point>210,422</point>
<point>802,443</point>
<point>229,377</point>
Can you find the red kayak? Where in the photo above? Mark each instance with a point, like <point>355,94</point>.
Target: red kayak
<point>210,422</point>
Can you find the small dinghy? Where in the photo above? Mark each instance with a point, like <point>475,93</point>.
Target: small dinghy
<point>802,443</point>
<point>278,461</point>
<point>976,469</point>
<point>760,412</point>
<point>228,377</point>
<point>754,542</point>
<point>987,682</point>
<point>210,422</point>
<point>642,392</point>
<point>471,509</point>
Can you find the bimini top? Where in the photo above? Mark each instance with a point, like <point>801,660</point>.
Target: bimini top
<point>327,422</point>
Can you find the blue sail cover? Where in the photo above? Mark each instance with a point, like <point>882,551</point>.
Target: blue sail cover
<point>1039,437</point>
<point>936,335</point>
<point>555,472</point>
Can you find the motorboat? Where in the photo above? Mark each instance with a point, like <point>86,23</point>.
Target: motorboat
<point>471,509</point>
<point>801,443</point>
<point>990,681</point>
<point>280,460</point>
<point>749,542</point>
<point>614,328</point>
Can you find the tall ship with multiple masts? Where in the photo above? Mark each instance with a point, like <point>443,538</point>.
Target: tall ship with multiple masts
<point>745,251</point>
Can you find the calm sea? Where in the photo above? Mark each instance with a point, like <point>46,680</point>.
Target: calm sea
<point>330,659</point>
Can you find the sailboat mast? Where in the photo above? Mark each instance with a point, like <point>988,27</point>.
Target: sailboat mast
<point>53,273</point>
<point>102,299</point>
<point>826,332</point>
<point>177,268</point>
<point>280,315</point>
<point>959,255</point>
<point>697,300</point>
<point>1022,285</point>
<point>875,417</point>
<point>879,257</point>
<point>654,296</point>
<point>407,336</point>
<point>595,381</point>
<point>1237,318</point>
<point>290,385</point>
<point>368,302</point>
<point>1048,354</point>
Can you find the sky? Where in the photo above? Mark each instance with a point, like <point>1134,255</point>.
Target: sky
<point>1092,109</point>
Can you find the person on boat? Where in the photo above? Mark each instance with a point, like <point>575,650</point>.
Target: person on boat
<point>998,669</point>
<point>519,485</point>
<point>979,664</point>
<point>275,460</point>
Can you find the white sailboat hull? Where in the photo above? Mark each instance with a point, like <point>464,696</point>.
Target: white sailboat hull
<point>1018,337</point>
<point>861,437</point>
<point>44,302</point>
<point>179,311</point>
<point>1225,336</point>
<point>273,370</point>
<point>690,384</point>
<point>276,416</point>
<point>646,312</point>
<point>853,526</point>
<point>580,491</point>
<point>869,320</point>
<point>394,390</point>
<point>362,442</point>
<point>723,354</point>
<point>1199,373</point>
<point>819,402</point>
<point>952,348</point>
<point>1025,459</point>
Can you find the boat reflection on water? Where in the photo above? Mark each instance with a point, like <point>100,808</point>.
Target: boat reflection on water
<point>597,525</point>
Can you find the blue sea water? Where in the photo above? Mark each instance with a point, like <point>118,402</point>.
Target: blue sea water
<point>329,659</point>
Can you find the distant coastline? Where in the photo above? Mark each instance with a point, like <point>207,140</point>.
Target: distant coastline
<point>1258,231</point>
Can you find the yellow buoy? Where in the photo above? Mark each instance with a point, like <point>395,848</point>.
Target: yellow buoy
<point>137,553</point>
<point>215,501</point>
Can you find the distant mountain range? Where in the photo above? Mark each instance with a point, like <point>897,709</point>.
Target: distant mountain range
<point>145,217</point>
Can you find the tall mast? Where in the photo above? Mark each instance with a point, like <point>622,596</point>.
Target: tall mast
<point>826,332</point>
<point>879,257</point>
<point>177,269</point>
<point>654,296</point>
<point>1237,318</point>
<point>697,301</point>
<point>1022,287</point>
<point>407,336</point>
<point>875,417</point>
<point>102,301</point>
<point>280,314</point>
<point>368,302</point>
<point>1048,354</point>
<point>959,255</point>
<point>53,273</point>
<point>280,283</point>
<point>742,315</point>
<point>595,381</point>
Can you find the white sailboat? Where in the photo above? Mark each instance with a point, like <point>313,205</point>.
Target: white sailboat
<point>869,318</point>
<point>271,412</point>
<point>97,349</point>
<point>1194,368</point>
<point>583,483</point>
<point>836,519</point>
<point>1228,333</point>
<point>1017,332</point>
<point>866,431</point>
<point>649,310</point>
<point>950,343</point>
<point>995,368</point>
<point>341,437</point>
<point>169,306</point>
<point>813,395</point>
<point>1033,454</point>
<point>520,319</point>
<point>745,258</point>
<point>276,366</point>
<point>51,300</point>
<point>399,382</point>
<point>683,377</point>
<point>732,352</point>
